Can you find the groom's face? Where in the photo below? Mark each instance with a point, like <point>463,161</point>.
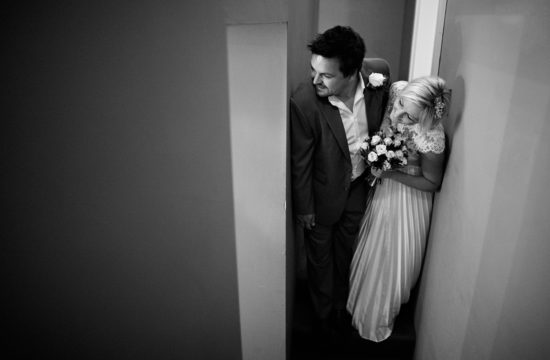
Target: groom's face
<point>327,77</point>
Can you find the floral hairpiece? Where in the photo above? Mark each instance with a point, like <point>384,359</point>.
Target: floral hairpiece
<point>439,107</point>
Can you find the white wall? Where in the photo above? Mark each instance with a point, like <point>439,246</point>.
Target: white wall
<point>302,27</point>
<point>255,12</point>
<point>379,22</point>
<point>119,238</point>
<point>485,289</point>
<point>257,88</point>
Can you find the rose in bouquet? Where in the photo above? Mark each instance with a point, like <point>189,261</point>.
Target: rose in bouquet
<point>386,150</point>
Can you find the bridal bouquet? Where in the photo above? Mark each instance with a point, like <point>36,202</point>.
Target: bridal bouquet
<point>386,150</point>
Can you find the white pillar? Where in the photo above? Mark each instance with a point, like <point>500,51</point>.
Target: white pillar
<point>427,34</point>
<point>257,58</point>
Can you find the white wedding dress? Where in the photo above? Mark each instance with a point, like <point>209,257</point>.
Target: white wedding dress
<point>391,241</point>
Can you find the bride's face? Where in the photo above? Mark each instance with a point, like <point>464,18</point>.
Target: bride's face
<point>404,111</point>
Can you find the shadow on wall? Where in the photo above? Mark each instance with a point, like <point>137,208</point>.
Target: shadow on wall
<point>453,121</point>
<point>451,124</point>
<point>457,86</point>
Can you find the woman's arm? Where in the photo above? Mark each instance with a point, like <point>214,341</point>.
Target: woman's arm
<point>431,177</point>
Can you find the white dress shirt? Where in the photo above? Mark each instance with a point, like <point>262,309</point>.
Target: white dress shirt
<point>355,124</point>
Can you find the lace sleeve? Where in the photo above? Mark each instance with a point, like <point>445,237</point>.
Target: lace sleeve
<point>431,141</point>
<point>395,89</point>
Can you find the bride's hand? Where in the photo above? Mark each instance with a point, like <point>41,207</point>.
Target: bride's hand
<point>381,173</point>
<point>376,172</point>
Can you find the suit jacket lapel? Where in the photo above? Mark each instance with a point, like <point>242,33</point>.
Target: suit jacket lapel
<point>373,103</point>
<point>334,121</point>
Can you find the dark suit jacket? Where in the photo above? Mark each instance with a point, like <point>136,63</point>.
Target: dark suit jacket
<point>320,160</point>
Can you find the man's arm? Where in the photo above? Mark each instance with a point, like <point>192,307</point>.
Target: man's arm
<point>302,149</point>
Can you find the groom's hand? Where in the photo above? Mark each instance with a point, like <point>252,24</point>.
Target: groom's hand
<point>307,221</point>
<point>376,172</point>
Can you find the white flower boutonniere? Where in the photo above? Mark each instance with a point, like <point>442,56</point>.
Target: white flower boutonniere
<point>376,80</point>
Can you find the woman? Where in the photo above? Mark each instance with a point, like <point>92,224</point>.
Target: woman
<point>392,238</point>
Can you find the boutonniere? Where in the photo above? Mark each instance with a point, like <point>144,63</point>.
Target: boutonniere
<point>376,80</point>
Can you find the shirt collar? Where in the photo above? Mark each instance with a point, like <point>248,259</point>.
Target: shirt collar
<point>359,92</point>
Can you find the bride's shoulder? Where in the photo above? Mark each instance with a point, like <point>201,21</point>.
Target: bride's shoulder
<point>438,130</point>
<point>432,140</point>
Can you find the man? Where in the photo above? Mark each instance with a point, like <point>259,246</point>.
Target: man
<point>330,117</point>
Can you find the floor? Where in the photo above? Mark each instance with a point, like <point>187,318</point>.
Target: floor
<point>305,345</point>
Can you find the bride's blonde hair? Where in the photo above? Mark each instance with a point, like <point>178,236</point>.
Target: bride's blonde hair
<point>431,95</point>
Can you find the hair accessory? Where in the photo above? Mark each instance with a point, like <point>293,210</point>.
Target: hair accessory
<point>439,107</point>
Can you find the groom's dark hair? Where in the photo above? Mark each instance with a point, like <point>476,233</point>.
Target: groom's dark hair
<point>342,43</point>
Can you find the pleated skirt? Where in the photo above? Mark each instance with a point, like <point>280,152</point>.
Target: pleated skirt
<point>388,256</point>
